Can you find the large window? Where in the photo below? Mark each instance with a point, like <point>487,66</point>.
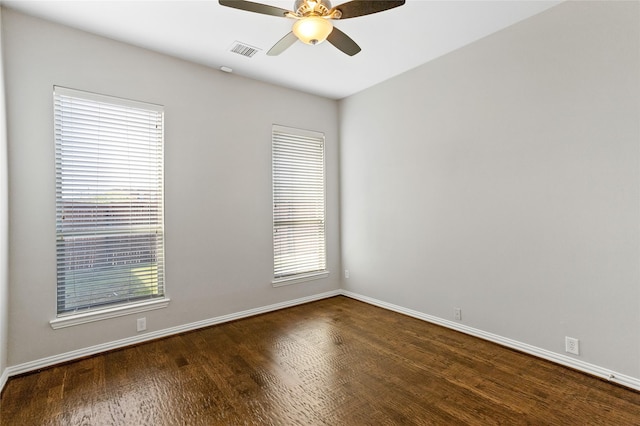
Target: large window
<point>109,201</point>
<point>298,205</point>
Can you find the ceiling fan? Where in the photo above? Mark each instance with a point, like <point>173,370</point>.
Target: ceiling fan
<point>313,20</point>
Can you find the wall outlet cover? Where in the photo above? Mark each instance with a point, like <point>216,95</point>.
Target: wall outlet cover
<point>141,324</point>
<point>572,345</point>
<point>457,314</point>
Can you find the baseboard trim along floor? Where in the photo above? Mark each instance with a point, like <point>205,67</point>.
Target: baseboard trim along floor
<point>585,367</point>
<point>612,376</point>
<point>118,344</point>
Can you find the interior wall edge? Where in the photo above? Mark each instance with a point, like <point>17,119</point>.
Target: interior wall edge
<point>564,360</point>
<point>4,220</point>
<point>4,377</point>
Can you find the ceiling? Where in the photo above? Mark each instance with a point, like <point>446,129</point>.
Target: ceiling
<point>202,31</point>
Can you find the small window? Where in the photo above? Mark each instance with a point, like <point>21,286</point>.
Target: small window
<point>299,246</point>
<point>109,201</point>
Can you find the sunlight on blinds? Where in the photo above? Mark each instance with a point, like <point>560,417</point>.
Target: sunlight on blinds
<point>109,200</point>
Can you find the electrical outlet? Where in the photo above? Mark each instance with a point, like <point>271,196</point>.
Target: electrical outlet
<point>457,314</point>
<point>346,273</point>
<point>572,345</point>
<point>141,324</point>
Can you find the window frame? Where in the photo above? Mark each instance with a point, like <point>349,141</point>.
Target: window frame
<point>308,275</point>
<point>123,306</point>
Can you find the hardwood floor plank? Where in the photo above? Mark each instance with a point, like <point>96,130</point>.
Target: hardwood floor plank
<point>332,362</point>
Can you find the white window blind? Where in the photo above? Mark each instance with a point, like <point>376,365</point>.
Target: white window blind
<point>109,201</point>
<point>298,202</point>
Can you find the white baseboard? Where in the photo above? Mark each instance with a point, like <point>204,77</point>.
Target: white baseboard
<point>612,376</point>
<point>93,350</point>
<point>3,378</point>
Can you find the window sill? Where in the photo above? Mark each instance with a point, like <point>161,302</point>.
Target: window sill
<point>299,278</point>
<point>118,311</point>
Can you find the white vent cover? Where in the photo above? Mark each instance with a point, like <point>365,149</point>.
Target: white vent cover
<point>243,49</point>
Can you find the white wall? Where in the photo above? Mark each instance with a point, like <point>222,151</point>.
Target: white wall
<point>217,180</point>
<point>4,223</point>
<point>503,179</point>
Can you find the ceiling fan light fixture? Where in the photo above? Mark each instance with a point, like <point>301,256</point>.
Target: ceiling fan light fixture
<point>312,29</point>
<point>314,17</point>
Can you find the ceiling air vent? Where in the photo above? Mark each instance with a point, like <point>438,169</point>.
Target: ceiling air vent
<point>243,49</point>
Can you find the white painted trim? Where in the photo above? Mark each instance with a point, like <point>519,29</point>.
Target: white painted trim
<point>102,314</point>
<point>299,278</point>
<point>93,350</point>
<point>97,97</point>
<point>612,376</point>
<point>3,379</point>
<point>567,361</point>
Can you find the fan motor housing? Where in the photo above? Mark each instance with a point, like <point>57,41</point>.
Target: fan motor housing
<point>318,7</point>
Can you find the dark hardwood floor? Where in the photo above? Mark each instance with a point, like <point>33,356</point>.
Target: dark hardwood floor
<point>336,362</point>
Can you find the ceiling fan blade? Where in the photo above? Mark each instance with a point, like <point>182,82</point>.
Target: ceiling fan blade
<point>284,43</point>
<point>343,42</point>
<point>250,6</point>
<point>356,8</point>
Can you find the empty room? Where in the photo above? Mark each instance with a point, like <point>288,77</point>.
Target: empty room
<point>319,213</point>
